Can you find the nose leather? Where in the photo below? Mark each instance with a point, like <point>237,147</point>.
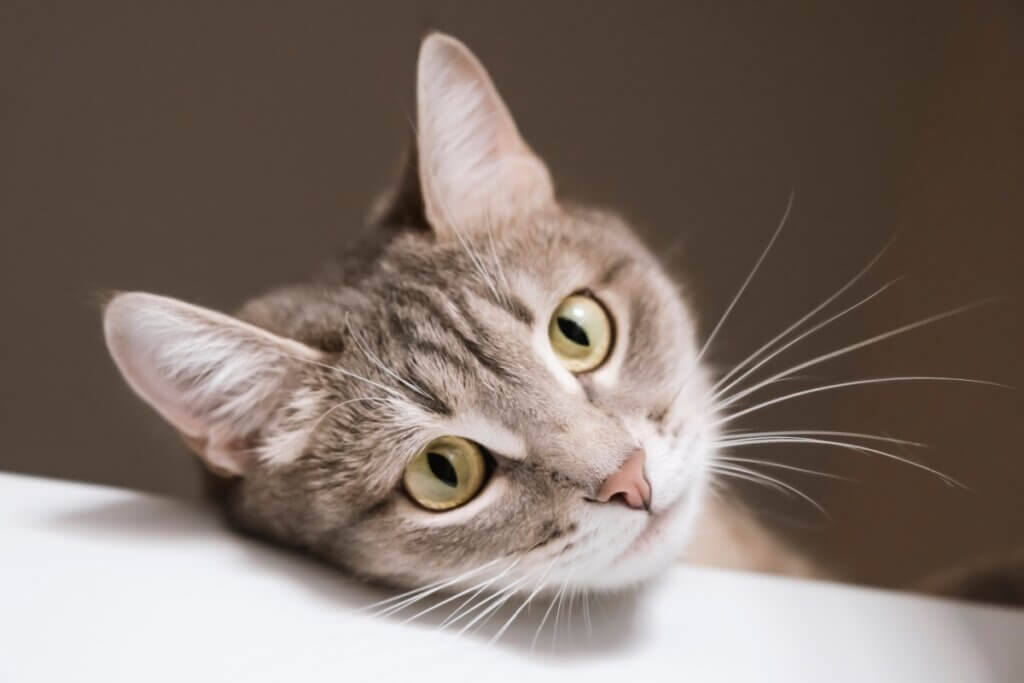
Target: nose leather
<point>628,485</point>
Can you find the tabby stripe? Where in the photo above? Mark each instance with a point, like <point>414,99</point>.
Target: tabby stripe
<point>431,401</point>
<point>479,332</point>
<point>614,270</point>
<point>420,298</point>
<point>510,303</point>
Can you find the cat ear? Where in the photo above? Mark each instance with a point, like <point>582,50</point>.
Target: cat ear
<point>473,164</point>
<point>216,379</point>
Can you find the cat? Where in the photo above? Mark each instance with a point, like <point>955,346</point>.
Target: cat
<point>490,382</point>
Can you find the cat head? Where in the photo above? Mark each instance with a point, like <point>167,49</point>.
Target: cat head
<point>494,383</point>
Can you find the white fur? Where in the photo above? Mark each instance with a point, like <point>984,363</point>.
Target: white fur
<point>491,434</point>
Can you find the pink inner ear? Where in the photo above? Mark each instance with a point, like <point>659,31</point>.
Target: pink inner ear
<point>214,378</point>
<point>473,162</point>
<point>135,354</point>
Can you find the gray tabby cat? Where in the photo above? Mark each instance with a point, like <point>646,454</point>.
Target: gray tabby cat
<point>491,383</point>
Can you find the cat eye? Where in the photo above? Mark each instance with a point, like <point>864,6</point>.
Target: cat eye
<point>446,474</point>
<point>580,333</point>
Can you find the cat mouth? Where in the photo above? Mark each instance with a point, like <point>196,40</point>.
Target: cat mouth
<point>656,521</point>
<point>655,528</point>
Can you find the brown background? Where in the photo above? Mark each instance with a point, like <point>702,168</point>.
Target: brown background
<point>213,151</point>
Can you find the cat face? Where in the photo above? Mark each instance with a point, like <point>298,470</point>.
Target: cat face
<point>494,385</point>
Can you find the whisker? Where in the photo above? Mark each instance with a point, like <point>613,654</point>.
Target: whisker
<point>540,586</point>
<point>558,609</point>
<point>741,472</point>
<point>779,465</point>
<point>417,594</point>
<point>457,613</point>
<point>822,432</point>
<point>400,596</point>
<point>854,447</point>
<point>498,599</point>
<point>742,289</point>
<point>852,347</point>
<point>473,257</point>
<point>461,610</point>
<point>497,265</point>
<point>346,373</point>
<point>478,588</point>
<point>754,478</point>
<point>496,595</point>
<point>345,403</point>
<point>724,390</point>
<point>568,615</point>
<point>843,385</point>
<point>749,359</point>
<point>412,386</point>
<point>544,619</point>
<point>586,613</point>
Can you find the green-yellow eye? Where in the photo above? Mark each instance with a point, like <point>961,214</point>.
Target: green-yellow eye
<point>580,333</point>
<point>445,474</point>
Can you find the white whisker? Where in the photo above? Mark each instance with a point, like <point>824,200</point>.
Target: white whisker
<point>540,586</point>
<point>413,596</point>
<point>558,608</point>
<point>361,345</point>
<point>496,595</point>
<point>462,610</point>
<point>849,446</point>
<point>498,599</point>
<point>498,266</point>
<point>850,348</point>
<point>586,613</point>
<point>760,477</point>
<point>843,385</point>
<point>346,373</point>
<point>724,390</point>
<point>362,399</point>
<point>477,588</point>
<point>473,256</point>
<point>821,432</point>
<point>778,465</point>
<point>742,289</point>
<point>752,357</point>
<point>544,619</point>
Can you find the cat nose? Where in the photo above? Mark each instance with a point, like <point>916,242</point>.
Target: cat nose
<point>628,486</point>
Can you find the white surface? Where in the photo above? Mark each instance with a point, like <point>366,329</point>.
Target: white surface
<point>99,584</point>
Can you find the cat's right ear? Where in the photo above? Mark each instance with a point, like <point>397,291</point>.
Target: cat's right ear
<point>216,379</point>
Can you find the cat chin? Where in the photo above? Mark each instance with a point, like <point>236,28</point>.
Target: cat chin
<point>658,545</point>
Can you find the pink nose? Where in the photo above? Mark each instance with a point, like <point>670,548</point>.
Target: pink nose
<point>628,485</point>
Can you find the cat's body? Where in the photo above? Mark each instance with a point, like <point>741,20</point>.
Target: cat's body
<point>586,444</point>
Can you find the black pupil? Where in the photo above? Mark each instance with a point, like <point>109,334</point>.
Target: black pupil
<point>573,331</point>
<point>442,469</point>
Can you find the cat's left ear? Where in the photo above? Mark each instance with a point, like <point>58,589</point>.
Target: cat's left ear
<point>474,167</point>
